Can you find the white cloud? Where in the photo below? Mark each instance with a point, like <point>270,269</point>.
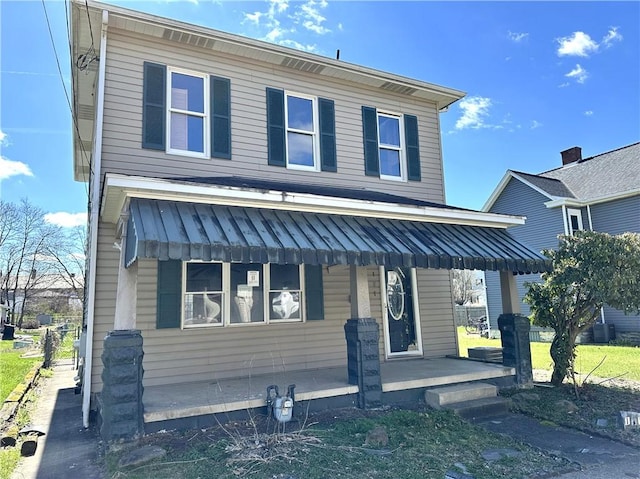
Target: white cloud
<point>277,6</point>
<point>275,33</point>
<point>66,220</point>
<point>310,17</point>
<point>535,124</point>
<point>4,139</point>
<point>299,46</point>
<point>474,111</point>
<point>517,37</point>
<point>9,168</point>
<point>579,74</point>
<point>579,44</point>
<point>611,36</point>
<point>564,85</point>
<point>254,17</point>
<point>588,113</point>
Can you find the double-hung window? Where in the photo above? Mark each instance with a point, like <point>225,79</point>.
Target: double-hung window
<point>301,131</point>
<point>302,139</point>
<point>390,144</point>
<point>575,220</point>
<point>188,113</point>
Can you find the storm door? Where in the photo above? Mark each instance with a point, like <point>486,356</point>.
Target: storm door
<point>401,319</point>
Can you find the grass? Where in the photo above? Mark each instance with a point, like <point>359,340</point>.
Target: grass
<point>420,444</point>
<point>14,368</point>
<point>618,360</point>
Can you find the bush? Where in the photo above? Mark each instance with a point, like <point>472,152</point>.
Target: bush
<point>30,324</point>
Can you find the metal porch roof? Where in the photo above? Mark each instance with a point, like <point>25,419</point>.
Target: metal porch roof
<point>192,231</point>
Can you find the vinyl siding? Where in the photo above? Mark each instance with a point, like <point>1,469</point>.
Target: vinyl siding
<point>616,217</point>
<point>206,354</point>
<point>122,152</point>
<point>540,231</point>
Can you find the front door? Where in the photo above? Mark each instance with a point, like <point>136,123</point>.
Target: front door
<point>402,325</point>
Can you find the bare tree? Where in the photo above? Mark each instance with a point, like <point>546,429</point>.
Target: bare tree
<point>25,241</point>
<point>463,283</point>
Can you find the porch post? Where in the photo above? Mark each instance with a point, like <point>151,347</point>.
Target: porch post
<point>121,408</point>
<point>509,293</point>
<point>362,335</point>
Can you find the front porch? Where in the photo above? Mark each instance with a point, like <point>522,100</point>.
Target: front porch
<point>194,404</point>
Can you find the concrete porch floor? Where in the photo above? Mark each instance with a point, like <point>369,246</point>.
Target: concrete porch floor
<point>163,403</point>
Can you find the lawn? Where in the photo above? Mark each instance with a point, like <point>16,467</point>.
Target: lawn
<point>621,361</point>
<point>14,368</point>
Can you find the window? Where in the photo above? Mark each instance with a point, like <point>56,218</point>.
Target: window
<point>390,146</point>
<point>391,149</point>
<point>300,131</point>
<point>575,221</point>
<point>186,113</point>
<point>223,294</point>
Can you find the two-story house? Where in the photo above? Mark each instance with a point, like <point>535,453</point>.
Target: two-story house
<point>247,202</point>
<point>599,193</point>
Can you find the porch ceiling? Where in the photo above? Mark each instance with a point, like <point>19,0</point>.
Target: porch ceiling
<point>188,231</point>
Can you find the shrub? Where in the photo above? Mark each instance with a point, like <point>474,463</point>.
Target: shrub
<point>31,324</point>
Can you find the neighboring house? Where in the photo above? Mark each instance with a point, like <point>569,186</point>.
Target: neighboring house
<point>600,193</point>
<point>259,198</point>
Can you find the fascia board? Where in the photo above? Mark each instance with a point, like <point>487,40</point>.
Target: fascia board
<point>503,184</point>
<point>117,188</point>
<point>593,201</point>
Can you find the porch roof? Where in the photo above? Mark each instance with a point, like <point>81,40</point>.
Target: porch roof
<point>194,231</point>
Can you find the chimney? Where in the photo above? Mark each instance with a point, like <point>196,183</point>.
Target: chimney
<point>572,155</point>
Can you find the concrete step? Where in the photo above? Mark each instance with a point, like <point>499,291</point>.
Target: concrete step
<point>456,393</point>
<point>482,408</point>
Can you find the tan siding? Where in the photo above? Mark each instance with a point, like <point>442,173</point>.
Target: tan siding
<point>122,152</point>
<point>436,313</point>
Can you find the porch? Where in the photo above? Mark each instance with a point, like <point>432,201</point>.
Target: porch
<point>191,402</point>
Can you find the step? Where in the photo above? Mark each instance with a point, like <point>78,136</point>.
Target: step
<point>441,396</point>
<point>482,408</point>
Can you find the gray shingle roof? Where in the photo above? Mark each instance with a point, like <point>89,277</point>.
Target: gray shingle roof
<point>599,176</point>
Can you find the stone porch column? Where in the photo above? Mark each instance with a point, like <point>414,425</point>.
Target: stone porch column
<point>362,335</point>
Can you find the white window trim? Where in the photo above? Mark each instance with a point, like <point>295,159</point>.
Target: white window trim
<point>577,213</point>
<point>315,135</point>
<point>225,313</point>
<point>206,115</point>
<point>402,149</point>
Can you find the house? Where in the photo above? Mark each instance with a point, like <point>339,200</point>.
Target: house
<point>600,193</point>
<point>263,216</point>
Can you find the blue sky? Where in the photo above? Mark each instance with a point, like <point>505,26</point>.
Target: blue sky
<point>540,77</point>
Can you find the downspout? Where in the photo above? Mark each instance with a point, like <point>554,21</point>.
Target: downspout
<point>93,220</point>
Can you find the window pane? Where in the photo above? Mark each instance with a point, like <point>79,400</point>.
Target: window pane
<point>246,298</point>
<point>284,305</point>
<point>187,132</point>
<point>300,113</point>
<point>285,276</point>
<point>202,309</point>
<point>389,162</point>
<point>389,130</point>
<point>300,149</point>
<point>204,277</point>
<point>187,92</point>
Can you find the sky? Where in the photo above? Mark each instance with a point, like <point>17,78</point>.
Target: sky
<point>540,77</point>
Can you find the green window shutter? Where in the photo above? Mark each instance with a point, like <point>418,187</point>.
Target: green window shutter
<point>220,117</point>
<point>168,308</point>
<point>153,106</point>
<point>370,137</point>
<point>413,150</point>
<point>275,127</point>
<point>328,161</point>
<point>313,290</point>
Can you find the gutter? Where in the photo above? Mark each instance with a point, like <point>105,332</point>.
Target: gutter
<point>93,221</point>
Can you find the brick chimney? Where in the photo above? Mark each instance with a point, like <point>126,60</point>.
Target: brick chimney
<point>571,155</point>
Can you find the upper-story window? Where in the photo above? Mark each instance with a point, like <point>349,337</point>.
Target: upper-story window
<point>302,140</point>
<point>391,145</point>
<point>300,131</point>
<point>186,113</point>
<point>575,220</point>
<point>391,151</point>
